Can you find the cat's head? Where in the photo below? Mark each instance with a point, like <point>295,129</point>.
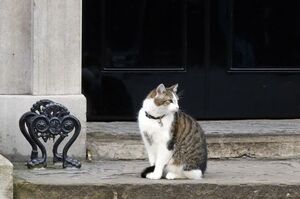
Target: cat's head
<point>162,100</point>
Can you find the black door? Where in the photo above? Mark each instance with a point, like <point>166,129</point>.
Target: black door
<point>232,59</point>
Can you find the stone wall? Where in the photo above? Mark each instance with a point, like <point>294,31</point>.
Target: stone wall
<point>40,49</point>
<point>15,47</point>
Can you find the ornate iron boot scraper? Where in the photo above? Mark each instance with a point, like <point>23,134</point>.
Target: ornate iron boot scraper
<point>46,120</point>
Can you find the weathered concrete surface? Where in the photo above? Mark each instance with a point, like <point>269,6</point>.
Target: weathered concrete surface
<point>6,178</point>
<point>112,147</point>
<point>120,180</point>
<point>226,139</point>
<point>222,127</point>
<point>12,142</point>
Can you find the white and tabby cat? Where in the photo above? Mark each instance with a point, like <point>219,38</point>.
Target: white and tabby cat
<point>174,141</point>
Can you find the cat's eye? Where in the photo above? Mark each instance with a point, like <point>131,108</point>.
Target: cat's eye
<point>169,101</point>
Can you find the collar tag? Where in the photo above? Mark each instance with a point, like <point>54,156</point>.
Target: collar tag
<point>155,118</point>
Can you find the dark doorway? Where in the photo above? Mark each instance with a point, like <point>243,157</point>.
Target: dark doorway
<point>232,59</point>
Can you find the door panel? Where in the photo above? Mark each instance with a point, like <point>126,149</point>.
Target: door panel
<point>141,34</point>
<point>252,73</point>
<point>142,44</point>
<point>265,34</point>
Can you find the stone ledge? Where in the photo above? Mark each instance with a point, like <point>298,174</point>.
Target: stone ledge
<point>211,128</point>
<point>6,178</point>
<point>120,179</point>
<point>226,139</point>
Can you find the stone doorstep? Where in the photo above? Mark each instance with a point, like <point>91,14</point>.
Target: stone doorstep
<point>120,180</point>
<point>6,178</point>
<point>274,139</point>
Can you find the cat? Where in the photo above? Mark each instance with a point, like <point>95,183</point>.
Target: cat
<point>175,142</point>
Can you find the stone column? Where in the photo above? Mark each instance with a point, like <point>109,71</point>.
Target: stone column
<point>40,49</point>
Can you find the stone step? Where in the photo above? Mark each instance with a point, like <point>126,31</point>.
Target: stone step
<point>275,139</point>
<point>6,178</point>
<point>243,178</point>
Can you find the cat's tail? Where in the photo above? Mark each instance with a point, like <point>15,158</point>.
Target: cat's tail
<point>147,170</point>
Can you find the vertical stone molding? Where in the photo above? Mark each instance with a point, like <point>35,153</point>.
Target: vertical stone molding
<point>56,47</point>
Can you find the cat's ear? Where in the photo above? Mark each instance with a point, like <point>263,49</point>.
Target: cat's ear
<point>160,89</point>
<point>174,88</point>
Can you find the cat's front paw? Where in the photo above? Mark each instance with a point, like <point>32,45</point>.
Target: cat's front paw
<point>170,176</point>
<point>153,176</point>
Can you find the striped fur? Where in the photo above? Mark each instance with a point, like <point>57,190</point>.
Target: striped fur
<point>189,141</point>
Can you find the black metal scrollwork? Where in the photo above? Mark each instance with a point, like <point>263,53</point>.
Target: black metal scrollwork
<point>46,120</point>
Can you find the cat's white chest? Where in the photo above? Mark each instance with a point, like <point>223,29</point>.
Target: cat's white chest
<point>158,130</point>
